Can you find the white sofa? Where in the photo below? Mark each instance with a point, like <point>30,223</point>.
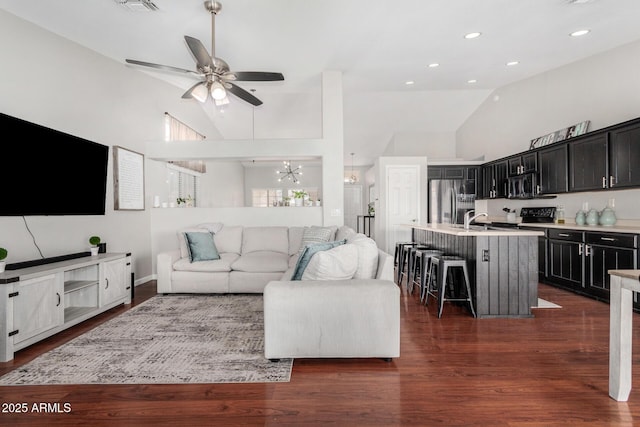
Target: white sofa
<point>353,316</point>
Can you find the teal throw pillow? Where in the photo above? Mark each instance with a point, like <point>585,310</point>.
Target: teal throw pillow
<point>308,251</point>
<point>201,246</point>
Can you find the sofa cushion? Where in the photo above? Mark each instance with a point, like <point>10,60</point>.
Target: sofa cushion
<point>344,232</point>
<point>211,227</point>
<point>220,265</point>
<point>182,240</point>
<point>315,234</point>
<point>262,262</point>
<point>201,246</point>
<point>339,263</point>
<point>308,251</point>
<point>295,239</point>
<point>275,239</point>
<point>229,239</point>
<point>367,256</point>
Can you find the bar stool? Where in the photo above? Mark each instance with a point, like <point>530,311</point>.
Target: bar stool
<point>415,267</point>
<point>440,265</point>
<point>402,258</point>
<point>424,258</point>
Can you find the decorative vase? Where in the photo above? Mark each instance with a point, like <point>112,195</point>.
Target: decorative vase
<point>607,217</point>
<point>94,250</point>
<point>2,266</point>
<point>580,219</point>
<point>592,217</point>
<point>298,201</point>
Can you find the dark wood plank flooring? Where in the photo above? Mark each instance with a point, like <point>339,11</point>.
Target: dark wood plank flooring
<point>550,370</point>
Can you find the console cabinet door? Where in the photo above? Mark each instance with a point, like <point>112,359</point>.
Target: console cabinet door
<point>588,168</point>
<point>624,157</point>
<point>37,307</point>
<point>113,284</point>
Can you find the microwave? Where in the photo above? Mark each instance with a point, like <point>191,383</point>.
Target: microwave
<point>522,186</point>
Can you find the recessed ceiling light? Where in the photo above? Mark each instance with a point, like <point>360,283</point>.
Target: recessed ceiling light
<point>579,33</point>
<point>472,81</point>
<point>409,82</point>
<point>472,35</point>
<point>512,63</point>
<point>434,65</point>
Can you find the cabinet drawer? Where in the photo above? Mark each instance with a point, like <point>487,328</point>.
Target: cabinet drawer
<point>612,239</point>
<point>572,235</point>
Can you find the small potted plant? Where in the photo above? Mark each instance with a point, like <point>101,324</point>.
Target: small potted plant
<point>3,256</point>
<point>299,196</point>
<point>94,241</point>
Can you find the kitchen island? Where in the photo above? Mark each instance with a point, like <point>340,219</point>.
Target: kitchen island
<point>502,264</point>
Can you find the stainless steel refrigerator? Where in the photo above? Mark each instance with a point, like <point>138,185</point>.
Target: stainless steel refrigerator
<point>450,199</point>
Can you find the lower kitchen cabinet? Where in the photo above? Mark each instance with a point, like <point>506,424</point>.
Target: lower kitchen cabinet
<point>580,260</point>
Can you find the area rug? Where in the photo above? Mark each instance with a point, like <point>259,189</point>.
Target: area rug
<point>172,339</point>
<point>543,303</point>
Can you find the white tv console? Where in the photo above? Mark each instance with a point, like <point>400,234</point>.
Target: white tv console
<point>40,301</point>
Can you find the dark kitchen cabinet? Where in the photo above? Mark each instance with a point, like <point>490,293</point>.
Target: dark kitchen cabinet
<point>452,172</point>
<point>523,163</point>
<point>565,259</point>
<point>624,157</point>
<point>580,261</point>
<point>494,180</point>
<point>588,168</point>
<point>552,170</point>
<point>604,252</point>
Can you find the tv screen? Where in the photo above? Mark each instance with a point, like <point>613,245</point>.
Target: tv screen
<point>47,172</point>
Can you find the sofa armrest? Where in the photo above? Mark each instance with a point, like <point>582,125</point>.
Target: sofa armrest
<point>385,266</point>
<point>164,267</point>
<point>332,318</point>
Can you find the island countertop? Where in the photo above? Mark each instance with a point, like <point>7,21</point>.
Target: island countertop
<point>474,230</point>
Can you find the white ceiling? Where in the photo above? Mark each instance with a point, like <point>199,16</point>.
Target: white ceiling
<point>378,45</point>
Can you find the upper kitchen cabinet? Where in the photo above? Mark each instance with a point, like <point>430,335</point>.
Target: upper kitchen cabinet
<point>588,163</point>
<point>552,170</point>
<point>624,157</point>
<point>522,164</point>
<point>494,180</point>
<point>452,172</point>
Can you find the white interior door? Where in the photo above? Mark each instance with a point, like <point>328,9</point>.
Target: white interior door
<point>352,204</point>
<point>403,207</point>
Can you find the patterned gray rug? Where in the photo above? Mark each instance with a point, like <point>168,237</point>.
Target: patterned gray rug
<point>168,339</point>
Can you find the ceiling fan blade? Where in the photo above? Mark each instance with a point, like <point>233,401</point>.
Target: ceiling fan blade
<point>242,94</point>
<point>253,76</point>
<point>161,67</point>
<point>199,52</point>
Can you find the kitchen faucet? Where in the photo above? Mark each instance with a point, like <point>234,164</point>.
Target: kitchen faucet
<point>468,219</point>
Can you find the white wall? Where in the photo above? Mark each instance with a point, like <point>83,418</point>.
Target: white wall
<point>50,81</point>
<point>604,89</point>
<point>435,145</point>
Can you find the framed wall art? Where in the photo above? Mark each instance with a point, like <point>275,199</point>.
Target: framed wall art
<point>560,135</point>
<point>128,179</point>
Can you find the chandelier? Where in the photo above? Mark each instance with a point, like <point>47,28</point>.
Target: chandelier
<point>353,178</point>
<point>289,173</point>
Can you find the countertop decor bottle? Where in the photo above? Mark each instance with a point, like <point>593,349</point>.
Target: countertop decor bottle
<point>608,215</point>
<point>580,218</point>
<point>592,217</point>
<point>560,215</point>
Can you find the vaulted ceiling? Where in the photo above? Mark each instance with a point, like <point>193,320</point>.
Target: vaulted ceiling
<point>378,45</point>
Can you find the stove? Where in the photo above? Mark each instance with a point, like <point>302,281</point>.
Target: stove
<point>543,215</point>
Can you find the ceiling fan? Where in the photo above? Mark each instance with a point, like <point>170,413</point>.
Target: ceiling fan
<point>216,77</point>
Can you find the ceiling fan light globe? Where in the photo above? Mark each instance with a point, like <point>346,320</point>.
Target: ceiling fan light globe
<point>200,93</point>
<point>218,91</point>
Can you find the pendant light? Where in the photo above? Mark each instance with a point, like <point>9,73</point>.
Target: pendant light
<point>353,178</point>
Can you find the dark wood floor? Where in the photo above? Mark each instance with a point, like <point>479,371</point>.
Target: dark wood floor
<point>455,371</point>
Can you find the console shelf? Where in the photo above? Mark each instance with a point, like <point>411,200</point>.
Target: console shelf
<point>40,300</point>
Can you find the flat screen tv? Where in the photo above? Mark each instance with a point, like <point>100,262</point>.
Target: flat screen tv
<point>47,172</point>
